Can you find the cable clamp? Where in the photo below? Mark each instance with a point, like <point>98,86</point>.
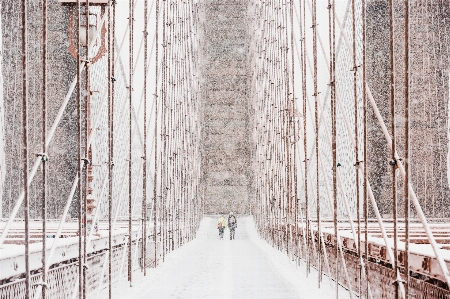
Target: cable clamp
<point>86,161</point>
<point>87,62</point>
<point>394,162</point>
<point>44,157</point>
<point>355,68</point>
<point>357,163</point>
<point>398,281</point>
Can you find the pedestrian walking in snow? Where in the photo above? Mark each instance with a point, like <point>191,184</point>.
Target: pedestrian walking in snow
<point>221,224</point>
<point>232,225</point>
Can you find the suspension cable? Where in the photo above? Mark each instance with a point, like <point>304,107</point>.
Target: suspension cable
<point>86,157</point>
<point>364,100</point>
<point>43,154</point>
<point>130,154</point>
<point>111,102</point>
<point>79,155</point>
<point>155,134</point>
<point>407,154</point>
<point>144,167</point>
<point>26,206</point>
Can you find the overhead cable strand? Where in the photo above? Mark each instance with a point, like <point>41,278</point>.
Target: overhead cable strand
<point>111,170</point>
<point>356,144</point>
<point>43,153</point>
<point>87,151</point>
<point>332,42</point>
<point>130,145</point>
<point>316,119</point>
<point>144,167</point>
<point>406,254</point>
<point>79,157</point>
<point>305,136</point>
<point>155,134</point>
<point>364,102</point>
<point>26,203</point>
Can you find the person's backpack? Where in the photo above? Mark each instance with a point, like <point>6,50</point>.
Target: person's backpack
<point>232,221</point>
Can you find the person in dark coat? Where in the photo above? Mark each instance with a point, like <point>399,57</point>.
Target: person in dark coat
<point>232,224</point>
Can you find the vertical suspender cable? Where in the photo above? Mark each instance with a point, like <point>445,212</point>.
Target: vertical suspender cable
<point>407,168</point>
<point>184,136</point>
<point>332,41</point>
<point>163,131</point>
<point>287,124</point>
<point>293,105</point>
<point>130,154</point>
<point>167,129</point>
<point>144,166</point>
<point>289,113</point>
<point>80,165</point>
<point>393,136</point>
<point>26,202</point>
<point>364,102</point>
<point>86,149</point>
<point>305,136</point>
<point>43,154</point>
<point>356,131</point>
<point>399,288</point>
<point>278,96</point>
<point>155,135</point>
<point>111,52</point>
<point>316,118</point>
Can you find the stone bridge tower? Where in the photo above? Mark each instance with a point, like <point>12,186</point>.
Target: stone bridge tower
<point>225,95</point>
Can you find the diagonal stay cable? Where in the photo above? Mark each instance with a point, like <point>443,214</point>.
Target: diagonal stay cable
<point>49,138</point>
<point>70,197</point>
<point>414,199</point>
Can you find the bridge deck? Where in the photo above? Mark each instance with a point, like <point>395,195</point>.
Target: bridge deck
<point>211,268</point>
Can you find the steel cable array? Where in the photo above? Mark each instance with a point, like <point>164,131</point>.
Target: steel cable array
<point>114,156</point>
<point>132,190</point>
<point>329,142</point>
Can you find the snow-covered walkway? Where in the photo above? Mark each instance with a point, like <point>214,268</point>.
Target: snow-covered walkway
<point>246,267</point>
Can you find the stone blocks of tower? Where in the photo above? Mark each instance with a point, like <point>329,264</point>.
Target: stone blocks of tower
<point>61,69</point>
<point>225,92</point>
